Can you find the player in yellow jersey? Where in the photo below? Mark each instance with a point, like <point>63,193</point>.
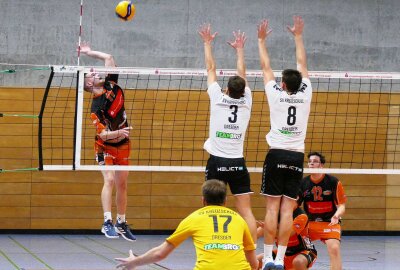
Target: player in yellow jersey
<point>220,235</point>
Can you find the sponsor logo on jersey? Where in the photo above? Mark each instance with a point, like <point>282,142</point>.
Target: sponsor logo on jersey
<point>221,246</point>
<point>319,207</point>
<point>227,135</point>
<point>289,131</point>
<point>233,101</point>
<point>231,126</point>
<point>293,168</point>
<point>327,192</point>
<point>229,169</point>
<point>291,100</point>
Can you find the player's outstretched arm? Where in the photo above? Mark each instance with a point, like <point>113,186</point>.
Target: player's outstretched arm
<point>153,255</point>
<point>297,31</point>
<point>263,32</point>
<point>107,58</point>
<point>207,37</point>
<point>238,45</point>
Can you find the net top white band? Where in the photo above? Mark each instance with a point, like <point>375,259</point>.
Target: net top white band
<point>224,72</point>
<point>202,169</point>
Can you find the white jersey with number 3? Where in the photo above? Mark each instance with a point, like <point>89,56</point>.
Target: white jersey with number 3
<point>229,118</point>
<point>289,116</point>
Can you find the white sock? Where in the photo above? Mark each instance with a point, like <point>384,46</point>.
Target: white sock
<point>107,216</point>
<point>120,218</point>
<point>281,253</point>
<point>268,252</point>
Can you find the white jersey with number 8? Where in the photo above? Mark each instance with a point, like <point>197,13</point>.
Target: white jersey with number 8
<point>289,116</point>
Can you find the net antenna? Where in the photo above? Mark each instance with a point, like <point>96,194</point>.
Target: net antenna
<point>80,33</point>
<point>354,120</point>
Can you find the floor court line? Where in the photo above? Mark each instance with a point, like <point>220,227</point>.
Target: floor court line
<point>81,252</point>
<point>124,254</point>
<point>31,253</point>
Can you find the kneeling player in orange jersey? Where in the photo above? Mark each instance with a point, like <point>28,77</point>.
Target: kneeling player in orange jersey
<point>300,253</point>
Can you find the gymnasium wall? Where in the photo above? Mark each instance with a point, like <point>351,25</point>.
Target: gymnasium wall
<point>357,35</point>
<point>157,201</point>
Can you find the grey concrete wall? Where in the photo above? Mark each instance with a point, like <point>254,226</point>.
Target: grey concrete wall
<point>356,35</point>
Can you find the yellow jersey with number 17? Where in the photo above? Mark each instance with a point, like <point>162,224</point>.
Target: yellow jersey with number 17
<point>220,236</point>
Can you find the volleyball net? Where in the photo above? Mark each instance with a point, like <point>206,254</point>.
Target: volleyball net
<point>354,120</point>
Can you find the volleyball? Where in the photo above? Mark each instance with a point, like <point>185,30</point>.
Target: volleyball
<point>125,10</point>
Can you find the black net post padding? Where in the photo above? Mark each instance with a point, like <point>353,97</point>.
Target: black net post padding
<point>45,95</point>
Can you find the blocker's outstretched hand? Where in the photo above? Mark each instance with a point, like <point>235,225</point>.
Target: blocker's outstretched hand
<point>239,41</point>
<point>263,30</point>
<point>205,33</point>
<point>298,26</point>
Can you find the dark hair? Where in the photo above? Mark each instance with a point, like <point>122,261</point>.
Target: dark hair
<point>292,78</point>
<point>321,156</point>
<point>236,85</point>
<point>214,192</point>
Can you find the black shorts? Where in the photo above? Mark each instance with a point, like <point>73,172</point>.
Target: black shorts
<point>232,171</point>
<point>282,173</point>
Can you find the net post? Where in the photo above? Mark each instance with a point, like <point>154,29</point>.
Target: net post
<point>75,119</point>
<point>78,119</point>
<point>45,95</point>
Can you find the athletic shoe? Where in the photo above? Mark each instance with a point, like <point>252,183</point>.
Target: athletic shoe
<point>124,231</point>
<point>269,265</point>
<point>279,265</point>
<point>109,230</point>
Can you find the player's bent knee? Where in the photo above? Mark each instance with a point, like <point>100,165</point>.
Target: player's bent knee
<point>300,262</point>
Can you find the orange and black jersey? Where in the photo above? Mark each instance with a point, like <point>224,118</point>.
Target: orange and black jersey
<point>299,241</point>
<point>108,110</point>
<point>321,196</point>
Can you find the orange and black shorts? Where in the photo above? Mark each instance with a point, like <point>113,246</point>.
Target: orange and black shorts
<point>107,154</point>
<point>310,255</point>
<point>322,231</point>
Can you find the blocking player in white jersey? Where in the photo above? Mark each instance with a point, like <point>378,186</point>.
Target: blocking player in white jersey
<point>229,118</point>
<point>289,105</point>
